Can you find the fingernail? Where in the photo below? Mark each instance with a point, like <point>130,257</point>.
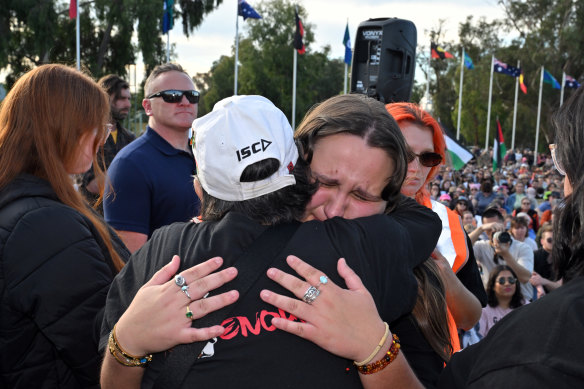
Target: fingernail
<point>218,261</point>
<point>232,271</point>
<point>292,260</point>
<point>265,294</point>
<point>271,272</point>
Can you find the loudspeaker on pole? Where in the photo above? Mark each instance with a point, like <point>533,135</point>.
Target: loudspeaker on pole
<point>384,59</point>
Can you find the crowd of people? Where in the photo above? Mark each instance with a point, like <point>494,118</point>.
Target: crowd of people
<point>344,253</point>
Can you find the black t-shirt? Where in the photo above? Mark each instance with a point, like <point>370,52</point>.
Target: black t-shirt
<point>538,345</point>
<point>251,353</point>
<point>543,267</point>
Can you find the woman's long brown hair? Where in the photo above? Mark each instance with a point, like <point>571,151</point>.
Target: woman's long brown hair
<point>42,120</point>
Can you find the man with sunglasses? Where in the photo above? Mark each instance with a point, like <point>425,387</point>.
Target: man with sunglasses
<point>151,179</point>
<point>543,272</point>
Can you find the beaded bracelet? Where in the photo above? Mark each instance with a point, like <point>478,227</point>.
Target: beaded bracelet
<point>389,356</point>
<point>122,356</point>
<point>377,348</point>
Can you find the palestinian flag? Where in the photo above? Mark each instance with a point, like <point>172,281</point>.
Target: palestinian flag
<point>459,156</point>
<point>499,149</point>
<point>439,52</point>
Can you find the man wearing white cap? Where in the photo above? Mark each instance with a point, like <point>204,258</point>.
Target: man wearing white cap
<point>254,185</point>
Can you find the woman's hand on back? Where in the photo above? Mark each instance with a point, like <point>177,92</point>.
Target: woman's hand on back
<point>156,320</point>
<point>344,322</point>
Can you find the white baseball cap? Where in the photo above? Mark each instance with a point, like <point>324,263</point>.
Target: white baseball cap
<point>240,131</point>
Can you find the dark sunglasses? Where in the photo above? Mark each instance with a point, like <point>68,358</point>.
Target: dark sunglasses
<point>175,96</point>
<point>427,158</point>
<point>511,280</point>
<point>550,240</point>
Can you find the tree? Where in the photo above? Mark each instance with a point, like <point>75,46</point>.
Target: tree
<point>266,58</point>
<point>36,32</point>
<point>549,34</point>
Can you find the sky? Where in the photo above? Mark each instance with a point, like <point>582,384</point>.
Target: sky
<point>216,35</point>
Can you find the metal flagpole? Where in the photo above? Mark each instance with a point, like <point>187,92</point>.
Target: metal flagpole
<point>538,115</point>
<point>78,35</point>
<point>562,91</point>
<point>489,106</point>
<point>515,107</point>
<point>460,95</point>
<point>236,50</point>
<point>168,46</point>
<point>345,84</point>
<point>294,92</point>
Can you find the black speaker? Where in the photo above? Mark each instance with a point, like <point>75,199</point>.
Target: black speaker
<point>384,60</point>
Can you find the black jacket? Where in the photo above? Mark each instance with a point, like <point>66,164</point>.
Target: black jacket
<point>54,276</point>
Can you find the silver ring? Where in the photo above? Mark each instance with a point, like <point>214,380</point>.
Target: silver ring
<point>179,280</point>
<point>185,289</point>
<point>322,281</point>
<point>310,295</point>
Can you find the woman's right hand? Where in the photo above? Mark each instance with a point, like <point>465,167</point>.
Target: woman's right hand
<point>345,322</point>
<point>156,319</point>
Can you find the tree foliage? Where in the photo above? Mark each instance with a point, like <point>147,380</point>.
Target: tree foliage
<point>542,33</point>
<point>266,64</point>
<point>36,32</point>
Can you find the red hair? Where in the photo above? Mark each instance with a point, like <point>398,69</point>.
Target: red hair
<point>408,112</point>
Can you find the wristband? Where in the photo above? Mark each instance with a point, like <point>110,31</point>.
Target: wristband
<point>389,357</point>
<point>122,356</point>
<point>377,348</point>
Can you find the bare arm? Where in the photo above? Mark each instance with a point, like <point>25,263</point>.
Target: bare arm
<point>523,274</point>
<point>537,280</point>
<point>474,235</point>
<point>133,240</point>
<point>463,305</point>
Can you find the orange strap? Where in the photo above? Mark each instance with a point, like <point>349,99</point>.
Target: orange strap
<point>454,340</point>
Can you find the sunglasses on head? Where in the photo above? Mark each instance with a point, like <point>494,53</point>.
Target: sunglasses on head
<point>175,96</point>
<point>511,280</point>
<point>427,158</point>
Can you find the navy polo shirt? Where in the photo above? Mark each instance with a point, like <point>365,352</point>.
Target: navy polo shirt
<point>151,186</point>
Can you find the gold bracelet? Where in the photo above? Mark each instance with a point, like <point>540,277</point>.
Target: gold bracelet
<point>389,357</point>
<point>377,348</point>
<point>122,356</point>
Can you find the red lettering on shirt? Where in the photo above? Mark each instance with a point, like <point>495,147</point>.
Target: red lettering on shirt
<point>241,324</point>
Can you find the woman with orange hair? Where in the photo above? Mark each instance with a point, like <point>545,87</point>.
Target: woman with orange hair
<point>428,148</point>
<point>57,256</point>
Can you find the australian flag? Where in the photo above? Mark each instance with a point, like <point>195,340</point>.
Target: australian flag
<point>246,10</point>
<point>502,67</point>
<point>571,82</point>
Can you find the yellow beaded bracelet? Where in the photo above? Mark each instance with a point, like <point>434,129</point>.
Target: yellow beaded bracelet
<point>389,357</point>
<point>377,348</point>
<point>122,356</point>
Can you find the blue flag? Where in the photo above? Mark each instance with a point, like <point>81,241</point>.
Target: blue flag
<point>549,79</point>
<point>347,44</point>
<point>167,17</point>
<point>468,62</point>
<point>502,67</point>
<point>571,82</point>
<point>246,10</point>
